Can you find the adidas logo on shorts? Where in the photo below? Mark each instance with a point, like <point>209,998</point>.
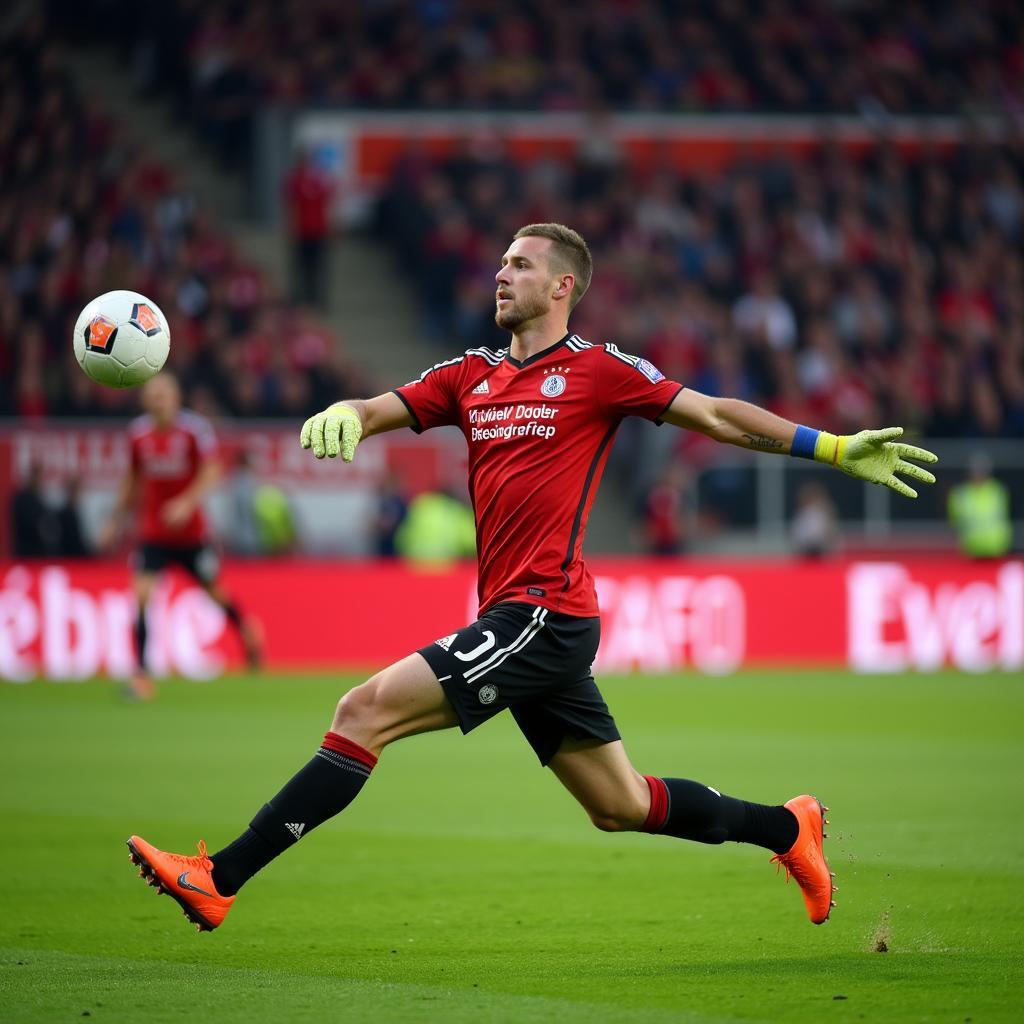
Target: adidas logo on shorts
<point>446,641</point>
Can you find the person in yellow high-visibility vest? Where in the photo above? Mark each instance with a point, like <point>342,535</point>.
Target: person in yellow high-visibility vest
<point>437,531</point>
<point>979,510</point>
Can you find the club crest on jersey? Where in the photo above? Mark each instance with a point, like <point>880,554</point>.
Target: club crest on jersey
<point>487,694</point>
<point>649,370</point>
<point>553,386</point>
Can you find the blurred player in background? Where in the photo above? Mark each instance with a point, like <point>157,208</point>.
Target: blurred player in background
<point>173,467</point>
<point>539,418</point>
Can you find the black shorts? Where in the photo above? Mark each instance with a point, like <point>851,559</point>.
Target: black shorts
<point>533,661</point>
<point>198,560</point>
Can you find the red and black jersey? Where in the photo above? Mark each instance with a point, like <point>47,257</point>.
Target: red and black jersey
<point>539,432</point>
<point>165,461</point>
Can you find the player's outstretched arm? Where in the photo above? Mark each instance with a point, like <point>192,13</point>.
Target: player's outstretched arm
<point>874,455</point>
<point>341,426</point>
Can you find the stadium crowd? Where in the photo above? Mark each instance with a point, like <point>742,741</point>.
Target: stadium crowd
<point>82,213</point>
<point>838,292</point>
<point>226,58</point>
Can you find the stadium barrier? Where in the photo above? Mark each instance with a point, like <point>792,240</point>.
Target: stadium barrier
<point>334,510</point>
<point>71,621</point>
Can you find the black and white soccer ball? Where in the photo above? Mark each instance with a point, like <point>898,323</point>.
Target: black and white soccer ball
<point>122,339</point>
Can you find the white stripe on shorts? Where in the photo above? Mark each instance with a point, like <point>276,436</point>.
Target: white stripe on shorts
<point>535,626</point>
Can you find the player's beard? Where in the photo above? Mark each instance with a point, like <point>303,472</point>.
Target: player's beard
<point>529,307</point>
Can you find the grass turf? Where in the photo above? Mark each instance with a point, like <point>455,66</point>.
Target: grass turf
<point>465,885</point>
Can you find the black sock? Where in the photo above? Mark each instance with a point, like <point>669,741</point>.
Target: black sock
<point>689,810</point>
<point>318,791</point>
<point>140,639</point>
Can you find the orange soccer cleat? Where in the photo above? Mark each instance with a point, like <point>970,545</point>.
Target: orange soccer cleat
<point>806,862</point>
<point>189,880</point>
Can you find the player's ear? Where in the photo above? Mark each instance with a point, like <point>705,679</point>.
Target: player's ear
<point>564,285</point>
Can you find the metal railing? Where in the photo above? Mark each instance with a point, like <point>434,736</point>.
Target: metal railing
<point>753,500</point>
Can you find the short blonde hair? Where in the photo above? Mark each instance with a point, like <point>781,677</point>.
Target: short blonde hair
<point>568,252</point>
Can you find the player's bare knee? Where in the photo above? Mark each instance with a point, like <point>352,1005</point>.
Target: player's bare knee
<point>610,822</point>
<point>617,818</point>
<point>355,711</point>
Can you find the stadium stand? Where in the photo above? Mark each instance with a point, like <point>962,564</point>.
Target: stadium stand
<point>224,58</point>
<point>843,292</point>
<point>835,292</point>
<point>826,289</point>
<point>81,213</point>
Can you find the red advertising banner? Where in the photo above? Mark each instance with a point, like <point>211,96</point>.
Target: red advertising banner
<point>72,621</point>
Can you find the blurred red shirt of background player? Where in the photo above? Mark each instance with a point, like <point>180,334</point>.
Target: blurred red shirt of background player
<point>166,460</point>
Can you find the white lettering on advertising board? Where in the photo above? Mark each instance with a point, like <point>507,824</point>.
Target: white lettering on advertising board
<point>896,623</point>
<point>52,629</point>
<point>661,624</point>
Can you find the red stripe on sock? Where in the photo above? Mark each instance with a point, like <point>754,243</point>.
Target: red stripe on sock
<point>332,741</point>
<point>658,813</point>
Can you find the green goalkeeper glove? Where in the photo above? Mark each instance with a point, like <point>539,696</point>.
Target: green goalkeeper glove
<point>334,431</point>
<point>875,455</point>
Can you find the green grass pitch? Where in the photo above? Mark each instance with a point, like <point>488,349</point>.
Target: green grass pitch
<point>465,884</point>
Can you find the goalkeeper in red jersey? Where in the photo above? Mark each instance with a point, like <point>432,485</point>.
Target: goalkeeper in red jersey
<point>539,418</point>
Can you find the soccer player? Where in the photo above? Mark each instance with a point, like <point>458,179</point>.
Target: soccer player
<point>539,418</point>
<point>173,467</point>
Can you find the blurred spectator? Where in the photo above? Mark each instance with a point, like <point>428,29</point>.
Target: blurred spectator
<point>35,530</point>
<point>244,536</point>
<point>276,522</point>
<point>815,527</point>
<point>262,522</point>
<point>664,524</point>
<point>438,530</point>
<point>308,195</point>
<point>71,542</point>
<point>392,508</point>
<point>979,510</point>
<point>763,317</point>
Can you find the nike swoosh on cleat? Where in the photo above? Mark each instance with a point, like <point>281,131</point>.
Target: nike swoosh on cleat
<point>185,884</point>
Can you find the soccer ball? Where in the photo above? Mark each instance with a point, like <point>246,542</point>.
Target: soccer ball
<point>121,339</point>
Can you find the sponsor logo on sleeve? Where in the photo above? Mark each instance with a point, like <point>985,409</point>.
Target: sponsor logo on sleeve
<point>650,371</point>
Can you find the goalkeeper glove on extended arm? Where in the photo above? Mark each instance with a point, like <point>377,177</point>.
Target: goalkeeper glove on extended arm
<point>335,431</point>
<point>873,455</point>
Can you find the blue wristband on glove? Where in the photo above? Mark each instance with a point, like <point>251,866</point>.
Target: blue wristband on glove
<point>803,442</point>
